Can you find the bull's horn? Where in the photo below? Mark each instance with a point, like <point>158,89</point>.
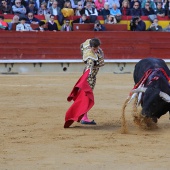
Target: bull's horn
<point>141,89</point>
<point>164,96</point>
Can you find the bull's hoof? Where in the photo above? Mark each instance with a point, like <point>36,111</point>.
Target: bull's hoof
<point>154,119</point>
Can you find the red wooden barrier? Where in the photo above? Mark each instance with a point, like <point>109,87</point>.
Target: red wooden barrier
<point>65,45</point>
<point>90,27</point>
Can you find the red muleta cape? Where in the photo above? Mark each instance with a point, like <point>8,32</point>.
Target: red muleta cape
<point>83,98</point>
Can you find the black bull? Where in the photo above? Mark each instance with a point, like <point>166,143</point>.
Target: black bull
<point>155,100</point>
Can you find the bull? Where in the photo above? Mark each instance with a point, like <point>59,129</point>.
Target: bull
<point>152,86</point>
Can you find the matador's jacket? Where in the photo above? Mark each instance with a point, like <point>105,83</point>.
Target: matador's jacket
<point>92,60</point>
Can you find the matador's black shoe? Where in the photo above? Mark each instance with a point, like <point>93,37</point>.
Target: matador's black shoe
<point>88,123</point>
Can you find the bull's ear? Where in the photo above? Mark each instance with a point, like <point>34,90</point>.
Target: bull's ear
<point>164,96</point>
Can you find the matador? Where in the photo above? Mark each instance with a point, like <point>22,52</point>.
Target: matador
<point>93,57</point>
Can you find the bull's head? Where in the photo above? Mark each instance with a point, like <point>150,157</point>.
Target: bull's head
<point>153,101</point>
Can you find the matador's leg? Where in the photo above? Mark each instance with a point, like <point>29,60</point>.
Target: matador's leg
<point>92,81</point>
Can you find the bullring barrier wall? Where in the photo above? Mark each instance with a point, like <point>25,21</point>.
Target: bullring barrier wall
<point>25,52</point>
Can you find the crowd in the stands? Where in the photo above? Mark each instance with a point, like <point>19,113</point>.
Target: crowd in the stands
<point>25,12</point>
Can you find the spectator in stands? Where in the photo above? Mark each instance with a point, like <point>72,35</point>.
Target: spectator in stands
<point>132,3</point>
<point>82,20</point>
<point>66,26</point>
<point>31,19</point>
<point>5,8</point>
<point>43,10</point>
<point>23,26</point>
<point>105,12</point>
<point>91,12</point>
<point>167,8</point>
<point>125,10</point>
<point>18,8</point>
<point>80,10</point>
<point>74,3</point>
<point>23,2</point>
<point>116,12</point>
<point>42,27</point>
<point>3,24</point>
<point>136,11</point>
<point>32,8</point>
<point>136,24</point>
<point>111,2</point>
<point>99,4</point>
<point>98,26</point>
<point>8,2</point>
<point>85,2</point>
<point>154,26</point>
<point>160,11</point>
<point>37,3</point>
<point>147,10</point>
<point>14,22</point>
<point>111,19</point>
<point>51,25</point>
<point>159,1</point>
<point>56,11</point>
<point>67,10</point>
<point>151,4</point>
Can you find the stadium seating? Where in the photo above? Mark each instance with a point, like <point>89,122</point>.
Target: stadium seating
<point>163,21</point>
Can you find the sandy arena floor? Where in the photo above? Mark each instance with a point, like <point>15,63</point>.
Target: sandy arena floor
<point>32,136</point>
